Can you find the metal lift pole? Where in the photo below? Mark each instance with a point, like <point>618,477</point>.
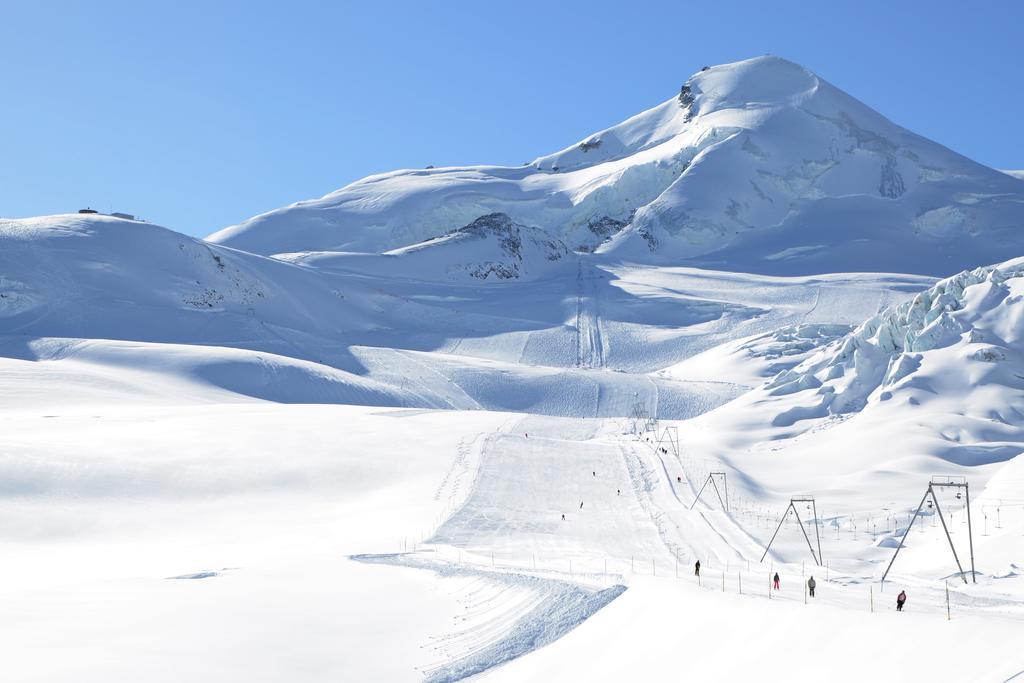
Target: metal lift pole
<point>970,532</point>
<point>806,537</point>
<point>700,492</point>
<point>724,504</point>
<point>946,530</point>
<point>776,531</point>
<point>900,547</point>
<point>816,534</point>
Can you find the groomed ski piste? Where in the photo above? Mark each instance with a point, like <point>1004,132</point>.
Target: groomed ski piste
<point>385,436</point>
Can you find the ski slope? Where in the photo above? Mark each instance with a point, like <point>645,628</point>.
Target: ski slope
<point>481,422</point>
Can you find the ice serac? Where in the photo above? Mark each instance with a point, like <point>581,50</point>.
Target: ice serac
<point>759,165</point>
<point>952,352</point>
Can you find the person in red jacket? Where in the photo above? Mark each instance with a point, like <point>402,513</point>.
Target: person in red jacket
<point>900,599</point>
<point>775,580</point>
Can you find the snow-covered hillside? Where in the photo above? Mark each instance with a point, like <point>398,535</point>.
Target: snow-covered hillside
<point>759,165</point>
<point>934,385</point>
<point>971,324</point>
<point>483,422</point>
<point>429,326</point>
<point>492,247</point>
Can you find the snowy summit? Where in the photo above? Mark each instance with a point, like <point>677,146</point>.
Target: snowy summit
<point>758,165</point>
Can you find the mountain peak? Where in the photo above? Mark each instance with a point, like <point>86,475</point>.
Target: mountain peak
<point>757,165</point>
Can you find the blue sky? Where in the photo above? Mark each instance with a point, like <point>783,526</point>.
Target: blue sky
<point>199,115</point>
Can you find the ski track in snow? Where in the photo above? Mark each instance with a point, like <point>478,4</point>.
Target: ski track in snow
<point>507,615</point>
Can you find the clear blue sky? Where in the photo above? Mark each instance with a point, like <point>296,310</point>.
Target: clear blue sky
<point>197,115</point>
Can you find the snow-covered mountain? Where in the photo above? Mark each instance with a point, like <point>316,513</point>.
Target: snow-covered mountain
<point>758,165</point>
<point>509,389</point>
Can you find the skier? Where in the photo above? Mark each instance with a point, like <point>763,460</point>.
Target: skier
<point>581,505</point>
<point>696,568</point>
<point>775,580</point>
<point>594,473</point>
<point>679,479</point>
<point>618,492</point>
<point>563,516</point>
<point>900,599</point>
<point>810,585</point>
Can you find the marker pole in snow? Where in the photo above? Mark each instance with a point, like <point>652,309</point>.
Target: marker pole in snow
<point>871,597</point>
<point>947,601</point>
<point>723,582</point>
<point>769,585</point>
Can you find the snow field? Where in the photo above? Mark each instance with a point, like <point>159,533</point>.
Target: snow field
<point>155,452</point>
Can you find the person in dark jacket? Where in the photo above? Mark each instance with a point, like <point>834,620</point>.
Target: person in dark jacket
<point>810,585</point>
<point>775,581</point>
<point>900,599</point>
<point>696,568</point>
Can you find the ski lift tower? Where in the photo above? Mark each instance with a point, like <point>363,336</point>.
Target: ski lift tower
<point>640,418</point>
<point>670,436</point>
<point>714,485</point>
<point>808,501</point>
<point>962,490</point>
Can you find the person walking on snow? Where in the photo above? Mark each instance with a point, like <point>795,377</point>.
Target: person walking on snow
<point>810,585</point>
<point>696,568</point>
<point>775,580</point>
<point>581,505</point>
<point>900,599</point>
<point>563,516</point>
